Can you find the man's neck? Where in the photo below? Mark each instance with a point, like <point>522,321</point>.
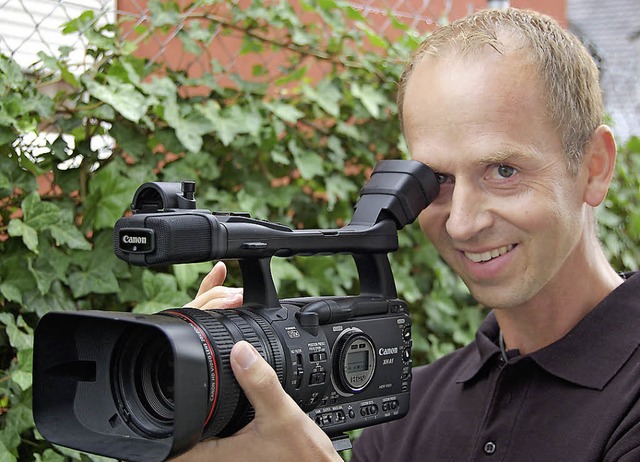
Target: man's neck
<point>562,305</point>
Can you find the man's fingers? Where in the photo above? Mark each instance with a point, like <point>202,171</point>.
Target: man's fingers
<point>259,382</point>
<point>218,297</point>
<point>232,300</point>
<point>216,277</point>
<point>212,294</point>
<point>277,414</point>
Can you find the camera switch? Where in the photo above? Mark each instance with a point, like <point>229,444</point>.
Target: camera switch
<point>254,245</point>
<point>317,378</point>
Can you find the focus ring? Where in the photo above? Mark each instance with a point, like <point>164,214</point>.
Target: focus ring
<point>227,388</point>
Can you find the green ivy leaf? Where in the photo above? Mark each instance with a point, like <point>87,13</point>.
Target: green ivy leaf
<point>94,281</point>
<point>123,97</point>
<point>338,189</point>
<point>15,77</point>
<point>54,300</point>
<point>22,375</point>
<point>309,163</point>
<point>49,455</point>
<point>165,13</point>
<point>17,420</point>
<point>110,193</point>
<point>326,95</point>
<point>29,235</point>
<point>370,97</point>
<point>39,214</point>
<point>70,236</point>
<point>82,22</point>
<point>286,112</point>
<point>189,126</point>
<point>232,122</point>
<point>43,273</point>
<point>19,333</point>
<point>162,293</point>
<point>5,454</point>
<point>11,292</point>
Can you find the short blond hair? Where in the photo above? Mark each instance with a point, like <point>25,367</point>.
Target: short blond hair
<point>567,71</point>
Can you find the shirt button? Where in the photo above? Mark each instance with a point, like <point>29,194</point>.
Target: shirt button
<point>489,447</point>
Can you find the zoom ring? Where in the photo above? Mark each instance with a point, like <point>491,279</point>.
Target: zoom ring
<point>247,332</point>
<point>277,358</point>
<point>244,412</point>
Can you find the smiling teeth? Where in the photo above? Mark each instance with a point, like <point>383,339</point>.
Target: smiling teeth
<point>486,256</point>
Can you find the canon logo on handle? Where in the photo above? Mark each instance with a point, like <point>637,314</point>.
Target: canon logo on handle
<point>134,239</point>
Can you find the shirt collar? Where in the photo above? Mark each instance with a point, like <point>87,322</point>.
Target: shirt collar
<point>590,354</point>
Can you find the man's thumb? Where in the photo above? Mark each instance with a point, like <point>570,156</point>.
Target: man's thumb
<point>258,380</point>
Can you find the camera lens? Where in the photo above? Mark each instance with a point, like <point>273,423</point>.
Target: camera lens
<point>162,377</point>
<point>156,382</point>
<point>144,364</point>
<point>143,387</point>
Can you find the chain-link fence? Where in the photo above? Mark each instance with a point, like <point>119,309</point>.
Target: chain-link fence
<point>33,26</point>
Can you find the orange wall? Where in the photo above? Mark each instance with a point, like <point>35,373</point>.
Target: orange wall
<point>225,48</point>
<point>555,8</point>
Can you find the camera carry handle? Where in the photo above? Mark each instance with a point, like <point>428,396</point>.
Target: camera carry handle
<point>374,272</point>
<point>396,196</point>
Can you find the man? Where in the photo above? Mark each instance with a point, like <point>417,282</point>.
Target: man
<point>505,106</point>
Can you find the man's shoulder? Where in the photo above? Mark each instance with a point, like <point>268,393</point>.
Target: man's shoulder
<point>446,368</point>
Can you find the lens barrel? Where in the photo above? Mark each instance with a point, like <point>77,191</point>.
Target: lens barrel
<point>143,371</point>
<point>143,382</point>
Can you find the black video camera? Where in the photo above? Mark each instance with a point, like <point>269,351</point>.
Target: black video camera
<point>146,387</point>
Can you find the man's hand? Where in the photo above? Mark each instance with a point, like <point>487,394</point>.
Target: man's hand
<point>280,431</point>
<point>212,294</point>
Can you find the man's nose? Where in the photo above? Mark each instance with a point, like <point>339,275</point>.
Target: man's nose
<point>468,214</point>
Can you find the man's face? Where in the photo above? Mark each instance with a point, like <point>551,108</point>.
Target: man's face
<point>509,218</point>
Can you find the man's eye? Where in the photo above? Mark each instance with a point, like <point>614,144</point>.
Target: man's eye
<point>506,171</point>
<point>442,178</point>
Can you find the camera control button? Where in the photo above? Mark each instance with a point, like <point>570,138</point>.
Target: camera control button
<point>370,410</point>
<point>317,378</point>
<point>318,356</point>
<point>406,334</point>
<point>390,405</point>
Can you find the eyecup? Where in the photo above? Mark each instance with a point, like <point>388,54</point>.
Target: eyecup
<point>397,189</point>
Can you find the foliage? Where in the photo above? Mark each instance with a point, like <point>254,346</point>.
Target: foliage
<point>618,218</point>
<point>287,146</point>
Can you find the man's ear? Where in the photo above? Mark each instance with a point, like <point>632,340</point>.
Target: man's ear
<point>599,162</point>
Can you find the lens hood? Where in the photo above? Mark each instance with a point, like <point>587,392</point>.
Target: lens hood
<point>75,397</point>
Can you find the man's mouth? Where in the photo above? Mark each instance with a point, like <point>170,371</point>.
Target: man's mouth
<point>489,255</point>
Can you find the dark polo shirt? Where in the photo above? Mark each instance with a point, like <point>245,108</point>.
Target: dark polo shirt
<point>577,400</point>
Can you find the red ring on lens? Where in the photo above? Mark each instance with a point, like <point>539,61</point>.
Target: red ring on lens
<point>204,337</point>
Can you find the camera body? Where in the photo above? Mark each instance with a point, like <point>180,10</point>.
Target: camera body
<point>147,387</point>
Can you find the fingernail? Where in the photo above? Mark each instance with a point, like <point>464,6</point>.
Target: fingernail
<point>245,355</point>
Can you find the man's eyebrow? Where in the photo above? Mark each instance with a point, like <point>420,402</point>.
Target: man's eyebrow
<point>506,156</point>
